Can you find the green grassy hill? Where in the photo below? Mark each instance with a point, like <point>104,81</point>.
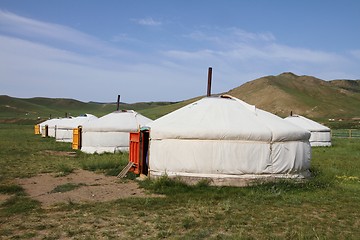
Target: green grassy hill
<point>304,95</point>
<point>43,108</point>
<point>350,85</point>
<point>281,94</point>
<point>159,111</point>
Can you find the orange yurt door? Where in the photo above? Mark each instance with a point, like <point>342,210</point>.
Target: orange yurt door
<point>139,142</point>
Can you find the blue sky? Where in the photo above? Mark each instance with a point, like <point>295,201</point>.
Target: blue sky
<point>159,50</point>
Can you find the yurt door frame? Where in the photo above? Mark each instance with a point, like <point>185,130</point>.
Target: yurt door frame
<point>138,153</point>
<point>77,138</point>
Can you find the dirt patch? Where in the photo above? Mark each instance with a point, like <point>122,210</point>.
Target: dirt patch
<point>4,197</point>
<point>93,187</point>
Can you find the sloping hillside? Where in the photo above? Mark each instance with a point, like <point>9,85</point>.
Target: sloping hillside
<point>303,95</point>
<point>44,107</point>
<point>11,107</point>
<point>160,111</point>
<point>350,85</point>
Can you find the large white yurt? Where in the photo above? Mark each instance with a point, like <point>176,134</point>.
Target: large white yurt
<point>64,128</point>
<point>227,141</point>
<point>320,134</point>
<point>111,132</point>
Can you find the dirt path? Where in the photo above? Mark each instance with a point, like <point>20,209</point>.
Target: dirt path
<point>92,187</point>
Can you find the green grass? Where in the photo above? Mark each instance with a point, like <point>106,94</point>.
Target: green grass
<point>67,187</point>
<point>24,154</point>
<point>64,169</point>
<point>346,133</point>
<point>110,164</point>
<point>323,207</point>
<point>11,189</point>
<point>19,205</point>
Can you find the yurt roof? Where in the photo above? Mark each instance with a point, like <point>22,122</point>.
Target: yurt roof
<point>122,120</point>
<point>307,123</point>
<point>225,117</point>
<point>76,121</point>
<point>52,122</point>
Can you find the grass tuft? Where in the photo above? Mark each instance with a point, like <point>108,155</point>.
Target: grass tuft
<point>19,205</point>
<point>188,222</point>
<point>12,189</point>
<point>110,164</point>
<point>64,170</point>
<point>166,185</point>
<point>67,187</point>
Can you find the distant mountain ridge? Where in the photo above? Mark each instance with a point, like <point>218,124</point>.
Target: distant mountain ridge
<point>351,85</point>
<point>304,95</point>
<point>281,94</point>
<point>11,107</point>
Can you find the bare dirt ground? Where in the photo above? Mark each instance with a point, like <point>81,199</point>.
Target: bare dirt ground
<point>93,187</point>
<point>4,197</point>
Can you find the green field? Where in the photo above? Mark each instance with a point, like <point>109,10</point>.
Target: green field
<point>327,206</point>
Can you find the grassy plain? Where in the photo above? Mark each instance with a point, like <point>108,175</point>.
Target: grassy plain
<point>326,206</point>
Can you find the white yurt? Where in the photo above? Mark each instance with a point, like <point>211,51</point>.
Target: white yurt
<point>42,125</point>
<point>227,141</point>
<point>51,125</point>
<point>64,128</point>
<point>111,132</point>
<point>320,134</point>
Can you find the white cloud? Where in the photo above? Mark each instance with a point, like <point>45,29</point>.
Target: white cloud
<point>123,37</point>
<point>267,52</point>
<point>45,59</point>
<point>52,34</point>
<point>249,36</point>
<point>239,56</point>
<point>30,69</point>
<point>287,53</point>
<point>355,53</point>
<point>147,22</point>
<point>234,45</point>
<point>29,27</point>
<point>229,37</point>
<point>189,56</point>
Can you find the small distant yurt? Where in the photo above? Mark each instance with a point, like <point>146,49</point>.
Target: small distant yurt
<point>47,128</point>
<point>43,124</point>
<point>111,132</point>
<point>320,134</point>
<point>227,141</point>
<point>64,128</point>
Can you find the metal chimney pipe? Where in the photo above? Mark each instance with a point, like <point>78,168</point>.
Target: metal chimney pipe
<point>209,82</point>
<point>118,103</point>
